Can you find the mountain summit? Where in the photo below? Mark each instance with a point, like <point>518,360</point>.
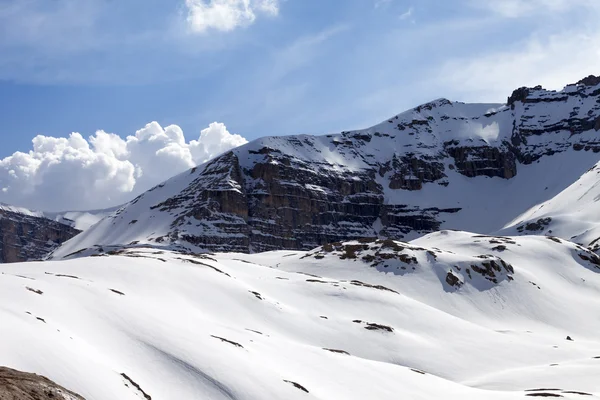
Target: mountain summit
<point>442,165</point>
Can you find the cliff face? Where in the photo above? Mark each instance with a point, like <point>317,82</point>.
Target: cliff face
<point>27,237</point>
<point>441,165</point>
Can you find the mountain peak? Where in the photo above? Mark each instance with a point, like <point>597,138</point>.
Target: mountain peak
<point>591,80</point>
<point>420,171</point>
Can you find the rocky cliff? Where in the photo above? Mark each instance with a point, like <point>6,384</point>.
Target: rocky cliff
<point>441,165</point>
<point>25,236</point>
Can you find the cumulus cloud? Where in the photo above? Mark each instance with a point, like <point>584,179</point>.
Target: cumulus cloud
<point>105,170</point>
<point>227,15</point>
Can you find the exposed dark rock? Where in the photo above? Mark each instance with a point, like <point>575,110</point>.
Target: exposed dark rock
<point>36,291</point>
<point>410,173</point>
<point>228,341</point>
<point>535,226</point>
<point>378,327</point>
<point>24,237</point>
<point>136,386</point>
<point>16,385</point>
<point>453,280</point>
<point>338,351</point>
<point>378,287</point>
<point>590,81</point>
<point>297,385</point>
<point>484,161</point>
<point>257,295</point>
<point>279,193</point>
<point>518,95</point>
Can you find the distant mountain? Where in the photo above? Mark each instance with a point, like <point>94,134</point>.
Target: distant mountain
<point>442,165</point>
<point>28,235</point>
<point>81,220</point>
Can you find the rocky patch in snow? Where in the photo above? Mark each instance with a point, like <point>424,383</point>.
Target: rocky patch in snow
<point>17,385</point>
<point>401,258</point>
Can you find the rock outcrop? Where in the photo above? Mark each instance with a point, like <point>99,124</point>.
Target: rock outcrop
<point>16,385</point>
<point>299,192</point>
<point>27,237</point>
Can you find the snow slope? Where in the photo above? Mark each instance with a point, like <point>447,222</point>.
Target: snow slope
<point>80,220</point>
<point>452,315</point>
<point>573,213</point>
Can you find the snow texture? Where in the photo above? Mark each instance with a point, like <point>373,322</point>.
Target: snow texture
<point>452,315</point>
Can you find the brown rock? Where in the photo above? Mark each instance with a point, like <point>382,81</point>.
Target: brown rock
<point>24,237</point>
<point>483,161</point>
<point>16,385</point>
<point>590,81</point>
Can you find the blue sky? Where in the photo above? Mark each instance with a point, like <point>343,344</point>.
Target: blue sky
<point>272,67</point>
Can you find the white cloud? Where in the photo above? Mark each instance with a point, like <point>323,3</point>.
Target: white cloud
<point>552,62</point>
<point>105,170</point>
<point>407,14</point>
<point>227,15</point>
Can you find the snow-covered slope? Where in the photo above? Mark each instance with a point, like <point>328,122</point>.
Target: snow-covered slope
<point>81,220</point>
<point>573,213</point>
<point>442,165</point>
<point>452,315</point>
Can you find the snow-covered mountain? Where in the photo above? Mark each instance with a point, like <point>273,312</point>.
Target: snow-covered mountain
<point>134,307</point>
<point>442,165</point>
<point>452,315</point>
<point>29,235</point>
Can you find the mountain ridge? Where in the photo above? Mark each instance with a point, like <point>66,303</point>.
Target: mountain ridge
<point>414,173</point>
<point>26,235</point>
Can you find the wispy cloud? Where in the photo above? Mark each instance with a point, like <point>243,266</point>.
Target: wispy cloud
<point>382,3</point>
<point>301,52</point>
<point>107,42</point>
<point>551,54</point>
<point>407,14</point>
<point>550,61</point>
<point>522,8</point>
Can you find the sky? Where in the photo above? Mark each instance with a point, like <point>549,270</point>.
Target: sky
<point>102,99</point>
